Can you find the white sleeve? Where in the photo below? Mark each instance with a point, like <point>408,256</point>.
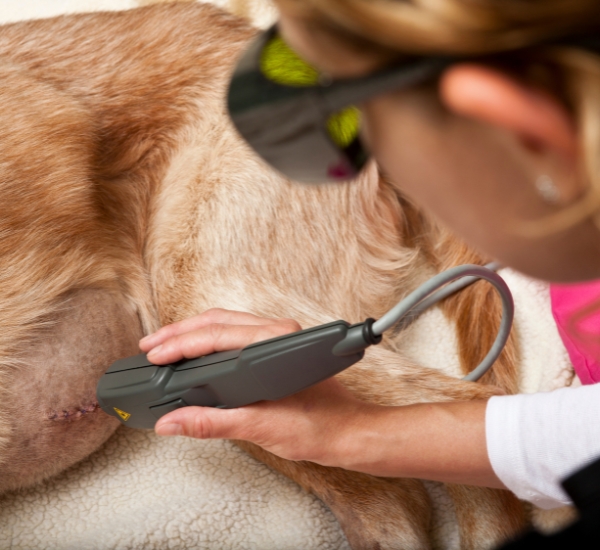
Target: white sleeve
<point>534,441</point>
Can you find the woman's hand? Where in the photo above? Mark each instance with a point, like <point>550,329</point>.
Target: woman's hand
<point>326,424</point>
<point>305,426</point>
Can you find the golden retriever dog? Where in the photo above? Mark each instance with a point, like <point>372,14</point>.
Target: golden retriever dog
<point>129,202</point>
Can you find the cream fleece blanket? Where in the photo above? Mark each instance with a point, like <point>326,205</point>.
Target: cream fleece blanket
<point>142,491</point>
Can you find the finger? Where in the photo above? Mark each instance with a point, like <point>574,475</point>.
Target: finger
<point>203,423</point>
<point>212,338</point>
<point>215,315</point>
<point>208,317</point>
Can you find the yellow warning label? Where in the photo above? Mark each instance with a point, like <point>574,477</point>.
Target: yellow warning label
<point>125,416</point>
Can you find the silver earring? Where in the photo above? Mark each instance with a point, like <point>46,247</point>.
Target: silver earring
<point>547,189</point>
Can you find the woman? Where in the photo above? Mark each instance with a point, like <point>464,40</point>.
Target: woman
<point>503,149</point>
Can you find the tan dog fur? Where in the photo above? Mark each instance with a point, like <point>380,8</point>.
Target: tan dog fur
<point>129,202</point>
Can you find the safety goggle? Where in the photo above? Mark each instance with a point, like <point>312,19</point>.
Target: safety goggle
<point>307,128</point>
<point>304,127</point>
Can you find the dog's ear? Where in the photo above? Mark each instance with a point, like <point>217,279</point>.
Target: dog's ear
<point>49,403</point>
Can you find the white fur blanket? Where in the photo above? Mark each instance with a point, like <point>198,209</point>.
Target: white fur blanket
<point>142,491</point>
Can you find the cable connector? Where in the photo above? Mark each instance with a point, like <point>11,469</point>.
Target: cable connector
<point>359,337</point>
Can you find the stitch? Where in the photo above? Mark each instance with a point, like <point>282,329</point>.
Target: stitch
<point>73,414</point>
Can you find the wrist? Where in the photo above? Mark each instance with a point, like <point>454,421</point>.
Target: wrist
<point>436,441</point>
<point>360,444</point>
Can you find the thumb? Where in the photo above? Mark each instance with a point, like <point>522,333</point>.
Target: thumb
<point>201,423</point>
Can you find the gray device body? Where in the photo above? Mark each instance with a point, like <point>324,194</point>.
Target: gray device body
<point>138,393</point>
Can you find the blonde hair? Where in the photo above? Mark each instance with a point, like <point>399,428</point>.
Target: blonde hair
<point>488,27</point>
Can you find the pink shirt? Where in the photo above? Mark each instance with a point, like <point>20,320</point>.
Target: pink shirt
<point>579,328</point>
<point>536,440</point>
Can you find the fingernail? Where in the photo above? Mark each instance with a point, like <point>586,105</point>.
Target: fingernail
<point>154,351</point>
<point>169,429</point>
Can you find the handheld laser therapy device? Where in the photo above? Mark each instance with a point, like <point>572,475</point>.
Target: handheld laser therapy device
<point>138,393</point>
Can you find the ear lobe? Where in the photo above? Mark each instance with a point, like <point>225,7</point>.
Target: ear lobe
<point>540,121</point>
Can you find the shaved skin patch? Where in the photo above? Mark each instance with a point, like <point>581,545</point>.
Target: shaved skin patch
<point>55,419</point>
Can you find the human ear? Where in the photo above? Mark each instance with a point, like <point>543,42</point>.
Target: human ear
<point>543,127</point>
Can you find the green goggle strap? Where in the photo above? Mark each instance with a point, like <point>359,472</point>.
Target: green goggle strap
<point>282,65</point>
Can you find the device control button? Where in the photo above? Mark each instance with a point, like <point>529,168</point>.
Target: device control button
<point>160,410</point>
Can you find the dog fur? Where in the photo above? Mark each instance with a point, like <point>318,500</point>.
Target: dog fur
<point>129,202</point>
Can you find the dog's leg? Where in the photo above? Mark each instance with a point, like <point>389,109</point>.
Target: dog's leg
<point>375,513</point>
<point>49,401</point>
